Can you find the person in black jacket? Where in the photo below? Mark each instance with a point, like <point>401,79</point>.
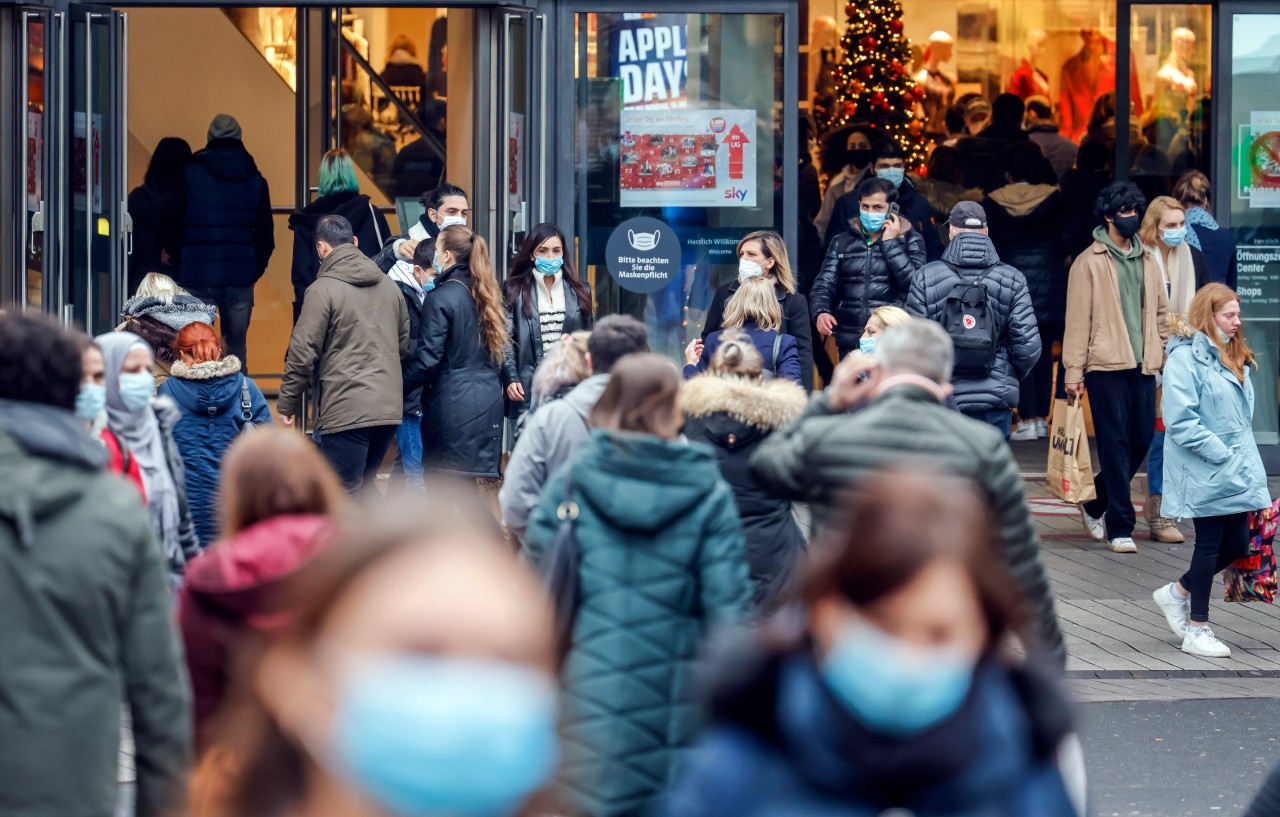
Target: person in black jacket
<point>228,233</point>
<point>731,408</point>
<point>763,252</point>
<point>545,300</point>
<point>1081,187</point>
<point>339,194</point>
<point>1203,232</point>
<point>889,163</point>
<point>461,348</point>
<point>152,206</point>
<point>871,264</point>
<point>445,206</point>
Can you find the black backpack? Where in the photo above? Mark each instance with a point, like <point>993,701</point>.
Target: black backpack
<point>969,318</point>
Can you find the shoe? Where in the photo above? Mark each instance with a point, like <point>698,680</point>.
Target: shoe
<point>1177,611</point>
<point>1202,641</point>
<point>1123,544</point>
<point>1097,530</point>
<point>1162,528</point>
<point>1024,433</point>
<point>1042,429</point>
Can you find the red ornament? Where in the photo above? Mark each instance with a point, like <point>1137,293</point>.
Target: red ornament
<point>877,98</point>
<point>869,43</point>
<point>867,71</point>
<point>896,65</point>
<point>850,9</point>
<point>849,108</point>
<point>918,92</point>
<point>894,25</point>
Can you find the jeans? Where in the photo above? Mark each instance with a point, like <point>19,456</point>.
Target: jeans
<point>1220,540</point>
<point>235,307</point>
<point>1000,419</point>
<point>409,441</point>
<point>1155,465</point>
<point>356,454</point>
<point>1123,405</point>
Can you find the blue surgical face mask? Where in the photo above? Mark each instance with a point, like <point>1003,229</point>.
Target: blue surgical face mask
<point>429,736</point>
<point>893,175</point>
<point>872,222</point>
<point>435,264</point>
<point>136,389</point>
<point>90,401</point>
<point>1174,237</point>
<point>892,687</point>
<point>748,269</point>
<point>867,345</point>
<point>548,266</point>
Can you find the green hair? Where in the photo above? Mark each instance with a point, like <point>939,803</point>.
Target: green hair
<point>338,174</point>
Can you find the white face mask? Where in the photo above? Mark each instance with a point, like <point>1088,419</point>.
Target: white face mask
<point>451,221</point>
<point>749,269</point>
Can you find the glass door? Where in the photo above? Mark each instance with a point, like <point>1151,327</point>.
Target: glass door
<point>37,184</point>
<point>98,228</point>
<point>517,116</point>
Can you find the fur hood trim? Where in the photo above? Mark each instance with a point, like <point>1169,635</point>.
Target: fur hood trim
<point>205,371</point>
<point>768,405</point>
<point>1178,326</point>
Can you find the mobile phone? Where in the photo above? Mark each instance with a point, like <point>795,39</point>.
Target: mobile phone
<point>893,210</point>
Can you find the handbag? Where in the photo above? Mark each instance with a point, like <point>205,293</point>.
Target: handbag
<point>559,571</point>
<point>1070,471</point>
<point>246,407</point>
<point>1253,578</point>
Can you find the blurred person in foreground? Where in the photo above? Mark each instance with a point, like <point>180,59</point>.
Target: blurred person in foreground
<point>896,692</point>
<point>85,601</point>
<point>414,678</point>
<point>902,418</point>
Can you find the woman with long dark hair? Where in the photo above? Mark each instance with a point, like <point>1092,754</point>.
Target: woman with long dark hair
<point>545,299</point>
<point>153,206</point>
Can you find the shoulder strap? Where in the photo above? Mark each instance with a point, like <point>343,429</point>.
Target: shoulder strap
<point>777,349</point>
<point>373,214</point>
<point>246,402</point>
<point>126,459</point>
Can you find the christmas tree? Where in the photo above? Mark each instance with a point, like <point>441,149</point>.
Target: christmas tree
<point>871,82</point>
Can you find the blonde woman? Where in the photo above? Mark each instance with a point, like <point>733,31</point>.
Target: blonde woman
<point>755,311</point>
<point>882,320</point>
<point>762,254</point>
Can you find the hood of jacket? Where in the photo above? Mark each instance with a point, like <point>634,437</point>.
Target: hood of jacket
<point>353,206</point>
<point>766,405</point>
<point>227,160</point>
<point>206,371</point>
<point>971,251</point>
<point>1022,199</point>
<point>1136,248</point>
<point>639,482</point>
<point>176,314</point>
<point>944,196</point>
<point>349,265</point>
<point>206,389</point>
<point>242,575</point>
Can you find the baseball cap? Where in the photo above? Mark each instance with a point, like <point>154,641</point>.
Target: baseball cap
<point>968,215</point>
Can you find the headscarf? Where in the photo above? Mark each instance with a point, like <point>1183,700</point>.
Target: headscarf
<point>1198,217</point>
<point>140,432</point>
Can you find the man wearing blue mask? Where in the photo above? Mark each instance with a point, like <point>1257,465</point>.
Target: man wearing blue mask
<point>868,265</point>
<point>888,162</point>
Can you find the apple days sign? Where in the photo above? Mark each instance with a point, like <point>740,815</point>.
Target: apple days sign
<point>650,56</point>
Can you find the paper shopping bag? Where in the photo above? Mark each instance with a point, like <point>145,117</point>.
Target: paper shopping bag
<point>1070,467</point>
<point>1253,578</point>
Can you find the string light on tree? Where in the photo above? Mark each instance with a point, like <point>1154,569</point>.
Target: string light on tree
<point>871,82</point>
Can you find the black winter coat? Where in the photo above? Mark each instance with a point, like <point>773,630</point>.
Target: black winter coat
<point>228,233</point>
<point>734,416</point>
<point>1079,193</point>
<point>462,401</point>
<point>858,278</point>
<point>913,207</point>
<point>795,322</point>
<point>970,256</point>
<point>157,229</point>
<point>1025,222</point>
<point>412,397</point>
<point>525,352</point>
<point>368,224</point>
<point>386,258</point>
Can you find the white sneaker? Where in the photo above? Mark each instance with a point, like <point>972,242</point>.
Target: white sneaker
<point>1123,544</point>
<point>1202,641</point>
<point>1097,530</point>
<point>1042,428</point>
<point>1177,611</point>
<point>1024,433</point>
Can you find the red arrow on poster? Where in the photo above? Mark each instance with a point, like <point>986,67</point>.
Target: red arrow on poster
<point>736,140</point>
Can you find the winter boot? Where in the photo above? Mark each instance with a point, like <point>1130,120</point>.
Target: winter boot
<point>1162,528</point>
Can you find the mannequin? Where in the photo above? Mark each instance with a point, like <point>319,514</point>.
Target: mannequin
<point>1176,84</point>
<point>823,48</point>
<point>939,87</point>
<point>1085,77</point>
<point>1029,80</point>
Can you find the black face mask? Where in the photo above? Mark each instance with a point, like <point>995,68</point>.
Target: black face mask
<point>1127,226</point>
<point>860,157</point>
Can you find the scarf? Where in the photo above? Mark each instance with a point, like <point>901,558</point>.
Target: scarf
<point>140,431</point>
<point>1179,278</point>
<point>410,280</point>
<point>1198,217</point>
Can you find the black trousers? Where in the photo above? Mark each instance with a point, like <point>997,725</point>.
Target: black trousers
<point>1035,395</point>
<point>356,454</point>
<point>1123,405</point>
<point>235,308</point>
<point>1220,540</point>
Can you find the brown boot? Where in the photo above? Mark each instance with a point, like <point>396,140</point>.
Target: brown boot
<point>1162,528</point>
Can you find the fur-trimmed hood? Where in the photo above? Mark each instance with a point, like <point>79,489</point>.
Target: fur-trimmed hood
<point>205,371</point>
<point>767,405</point>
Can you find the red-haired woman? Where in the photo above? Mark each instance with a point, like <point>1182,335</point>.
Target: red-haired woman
<point>216,401</point>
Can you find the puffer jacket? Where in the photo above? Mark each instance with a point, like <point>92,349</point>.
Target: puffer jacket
<point>1025,221</point>
<point>969,257</point>
<point>660,561</point>
<point>795,322</point>
<point>367,223</point>
<point>858,277</point>
<point>352,334</point>
<point>913,206</point>
<point>228,231</point>
<point>1211,462</point>
<point>734,416</point>
<point>462,401</point>
<point>209,397</point>
<point>525,352</point>
<point>412,397</point>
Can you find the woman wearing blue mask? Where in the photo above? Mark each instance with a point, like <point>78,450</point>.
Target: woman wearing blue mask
<point>145,425</point>
<point>895,692</point>
<point>545,299</point>
<point>91,408</point>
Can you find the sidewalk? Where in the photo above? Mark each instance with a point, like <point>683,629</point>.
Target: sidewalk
<point>1118,644</point>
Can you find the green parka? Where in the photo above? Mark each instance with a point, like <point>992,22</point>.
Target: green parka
<point>661,559</point>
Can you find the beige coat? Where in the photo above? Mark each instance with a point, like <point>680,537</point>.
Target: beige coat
<point>1096,339</point>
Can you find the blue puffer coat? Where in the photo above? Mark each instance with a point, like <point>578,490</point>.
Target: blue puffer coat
<point>208,394</point>
<point>967,257</point>
<point>1211,462</point>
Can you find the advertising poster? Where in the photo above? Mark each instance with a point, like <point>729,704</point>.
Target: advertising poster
<point>649,54</point>
<point>1259,160</point>
<point>35,158</point>
<point>689,158</point>
<point>80,145</point>
<point>515,161</point>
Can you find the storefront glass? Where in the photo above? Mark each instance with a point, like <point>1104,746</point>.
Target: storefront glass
<point>678,157</point>
<point>36,128</point>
